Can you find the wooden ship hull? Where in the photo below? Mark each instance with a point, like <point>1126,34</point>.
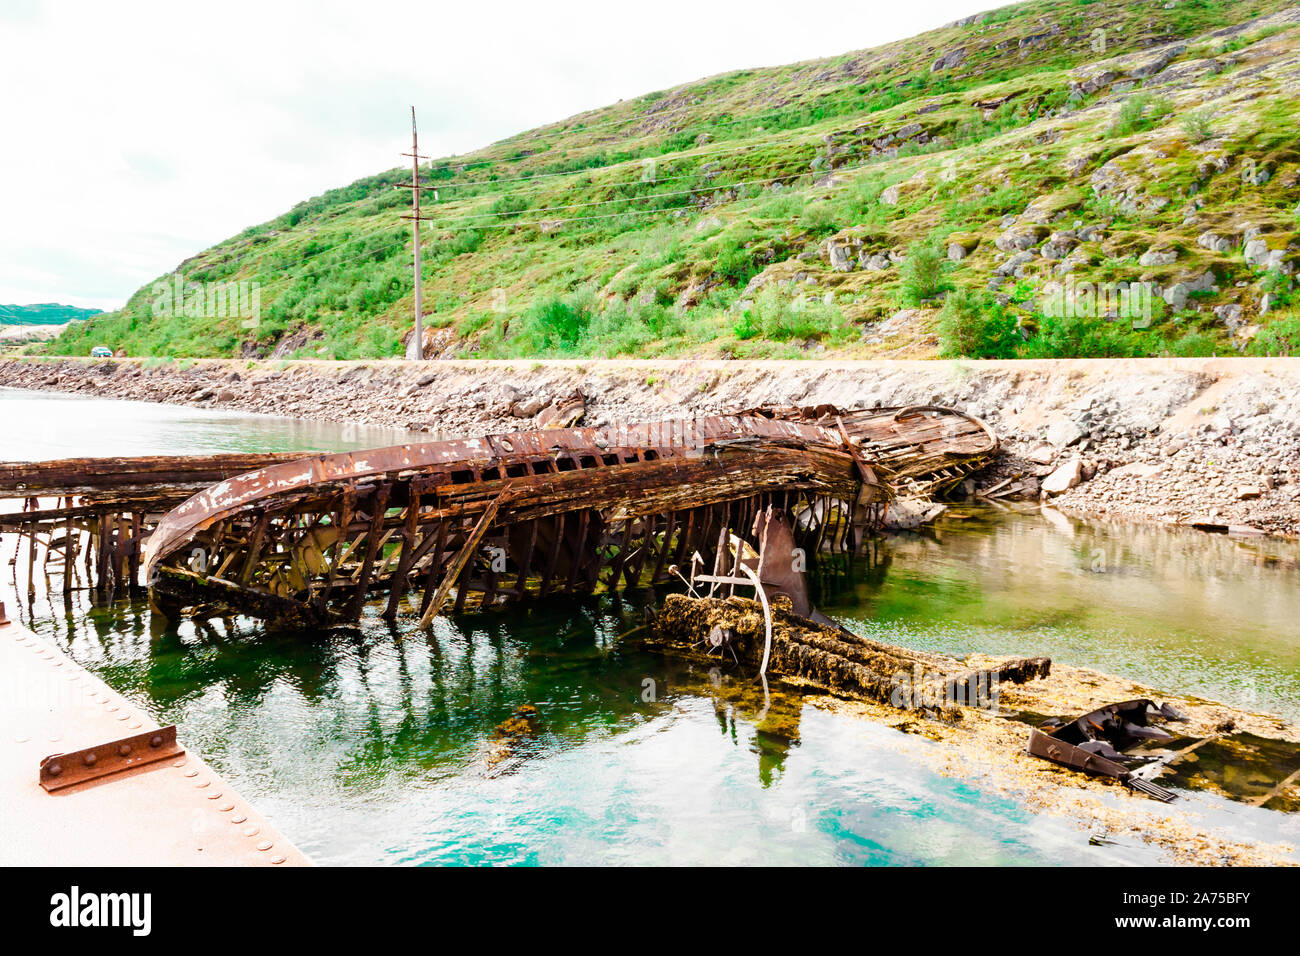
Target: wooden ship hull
<point>466,524</point>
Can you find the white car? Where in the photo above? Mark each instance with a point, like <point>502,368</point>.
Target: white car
<point>101,351</point>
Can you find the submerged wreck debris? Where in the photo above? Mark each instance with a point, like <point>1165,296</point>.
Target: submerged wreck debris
<point>510,741</point>
<point>467,524</point>
<point>1095,743</point>
<point>97,511</point>
<point>827,657</point>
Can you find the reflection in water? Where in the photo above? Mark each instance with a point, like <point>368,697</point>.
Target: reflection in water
<point>46,425</point>
<point>1176,609</point>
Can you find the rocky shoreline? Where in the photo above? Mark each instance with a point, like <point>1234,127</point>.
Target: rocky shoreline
<point>1213,443</point>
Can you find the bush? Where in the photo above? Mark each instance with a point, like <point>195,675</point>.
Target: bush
<point>1085,337</point>
<point>461,242</point>
<point>1193,344</point>
<point>508,206</point>
<point>779,319</point>
<point>782,205</point>
<point>733,263</point>
<point>746,328</point>
<point>921,272</point>
<point>819,219</point>
<point>1279,337</point>
<point>973,325</point>
<point>556,324</point>
<point>1197,126</point>
<point>1279,287</point>
<point>1139,112</point>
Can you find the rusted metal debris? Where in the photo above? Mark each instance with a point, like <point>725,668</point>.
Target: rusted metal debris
<point>1095,743</point>
<point>470,523</point>
<point>151,478</point>
<point>90,515</point>
<point>65,770</point>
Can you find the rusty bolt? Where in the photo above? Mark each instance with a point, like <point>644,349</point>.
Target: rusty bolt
<point>55,769</point>
<point>89,760</point>
<point>155,740</point>
<point>124,750</point>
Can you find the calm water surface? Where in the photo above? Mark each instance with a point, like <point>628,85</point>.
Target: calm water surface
<point>377,744</point>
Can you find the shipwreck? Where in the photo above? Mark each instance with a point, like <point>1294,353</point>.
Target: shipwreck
<point>461,525</point>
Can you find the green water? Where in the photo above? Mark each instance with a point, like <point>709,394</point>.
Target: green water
<point>377,744</point>
<point>1208,615</point>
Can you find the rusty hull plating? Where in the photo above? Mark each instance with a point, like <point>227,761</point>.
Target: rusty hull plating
<point>473,522</point>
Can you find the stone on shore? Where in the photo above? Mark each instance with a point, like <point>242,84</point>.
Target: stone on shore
<point>1064,478</point>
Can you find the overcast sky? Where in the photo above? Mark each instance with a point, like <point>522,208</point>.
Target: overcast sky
<point>138,133</point>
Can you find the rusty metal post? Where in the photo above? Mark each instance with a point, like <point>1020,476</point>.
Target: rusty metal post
<point>31,560</point>
<point>418,338</point>
<point>416,349</point>
<point>69,555</point>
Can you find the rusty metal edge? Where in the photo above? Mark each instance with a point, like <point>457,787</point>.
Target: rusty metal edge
<point>61,770</point>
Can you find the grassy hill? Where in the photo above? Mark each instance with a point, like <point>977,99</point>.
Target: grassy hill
<point>932,196</point>
<point>47,313</point>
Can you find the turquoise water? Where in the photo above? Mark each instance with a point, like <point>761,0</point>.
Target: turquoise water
<point>379,744</point>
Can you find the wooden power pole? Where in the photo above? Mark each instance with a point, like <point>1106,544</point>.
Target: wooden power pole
<point>416,349</point>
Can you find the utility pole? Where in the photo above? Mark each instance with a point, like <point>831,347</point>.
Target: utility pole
<point>416,349</point>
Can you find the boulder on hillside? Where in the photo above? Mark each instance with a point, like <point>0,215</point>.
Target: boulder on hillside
<point>1064,478</point>
<point>564,412</point>
<point>1064,433</point>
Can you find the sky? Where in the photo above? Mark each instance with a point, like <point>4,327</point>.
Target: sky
<point>137,134</point>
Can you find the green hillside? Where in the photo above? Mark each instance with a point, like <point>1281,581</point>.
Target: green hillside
<point>922,198</point>
<point>47,313</point>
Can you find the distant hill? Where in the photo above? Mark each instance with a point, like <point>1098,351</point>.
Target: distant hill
<point>987,189</point>
<point>47,313</point>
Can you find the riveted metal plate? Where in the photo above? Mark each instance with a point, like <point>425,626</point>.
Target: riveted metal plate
<point>64,770</point>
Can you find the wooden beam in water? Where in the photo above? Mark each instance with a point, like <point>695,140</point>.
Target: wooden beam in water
<point>458,563</point>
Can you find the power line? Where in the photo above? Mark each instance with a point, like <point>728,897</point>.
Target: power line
<point>606,202</point>
<point>625,162</point>
<point>715,187</point>
<point>541,222</point>
<point>516,223</point>
<point>558,130</point>
<point>417,336</point>
<point>381,229</point>
<point>563,221</point>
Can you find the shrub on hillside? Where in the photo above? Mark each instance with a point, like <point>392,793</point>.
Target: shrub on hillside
<point>973,325</point>
<point>774,317</point>
<point>1192,344</point>
<point>1139,112</point>
<point>1197,126</point>
<point>1279,337</point>
<point>557,323</point>
<point>508,206</point>
<point>733,263</point>
<point>1070,336</point>
<point>921,273</point>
